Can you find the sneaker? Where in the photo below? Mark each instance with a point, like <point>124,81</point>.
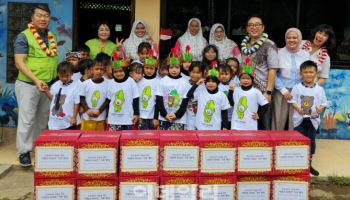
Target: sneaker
<point>313,171</point>
<point>24,160</point>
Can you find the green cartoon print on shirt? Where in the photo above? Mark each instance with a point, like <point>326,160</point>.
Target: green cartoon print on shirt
<point>118,100</point>
<point>95,97</point>
<point>146,96</point>
<point>209,111</point>
<point>242,107</point>
<point>173,99</point>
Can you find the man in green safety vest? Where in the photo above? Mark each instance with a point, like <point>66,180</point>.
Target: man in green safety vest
<point>36,59</point>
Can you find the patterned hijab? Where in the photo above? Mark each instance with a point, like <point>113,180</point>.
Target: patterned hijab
<point>131,44</point>
<point>224,46</point>
<point>196,42</point>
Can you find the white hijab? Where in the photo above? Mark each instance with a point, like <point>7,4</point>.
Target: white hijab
<point>225,46</point>
<point>131,44</point>
<point>197,42</point>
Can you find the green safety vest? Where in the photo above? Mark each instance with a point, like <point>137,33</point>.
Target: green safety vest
<point>94,44</point>
<point>42,65</point>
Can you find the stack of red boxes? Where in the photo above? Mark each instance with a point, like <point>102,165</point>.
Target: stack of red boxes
<point>55,165</point>
<point>97,176</point>
<point>139,165</point>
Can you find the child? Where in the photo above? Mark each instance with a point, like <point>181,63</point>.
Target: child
<point>196,74</point>
<point>210,54</point>
<point>93,98</point>
<point>234,64</point>
<point>142,50</point>
<point>163,69</point>
<point>136,70</point>
<point>186,63</point>
<point>246,101</point>
<point>123,99</point>
<point>64,99</point>
<point>148,88</point>
<point>105,59</point>
<point>225,77</point>
<point>73,58</point>
<point>171,97</point>
<point>212,106</point>
<point>84,52</point>
<point>308,101</point>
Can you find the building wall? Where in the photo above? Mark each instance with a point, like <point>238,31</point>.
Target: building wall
<point>149,10</point>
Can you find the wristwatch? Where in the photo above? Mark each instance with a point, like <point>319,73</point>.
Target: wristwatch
<point>269,92</point>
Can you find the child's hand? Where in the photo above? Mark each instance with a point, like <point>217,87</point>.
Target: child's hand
<point>119,44</point>
<point>200,81</point>
<point>287,96</point>
<point>300,111</point>
<point>96,113</point>
<point>155,123</point>
<point>135,119</point>
<point>90,112</point>
<point>73,121</point>
<point>255,116</point>
<point>232,86</point>
<point>319,109</point>
<point>170,117</point>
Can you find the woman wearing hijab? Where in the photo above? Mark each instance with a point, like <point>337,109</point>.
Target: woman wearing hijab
<point>193,37</point>
<point>227,48</point>
<point>139,33</point>
<point>101,43</point>
<point>290,58</point>
<point>323,39</point>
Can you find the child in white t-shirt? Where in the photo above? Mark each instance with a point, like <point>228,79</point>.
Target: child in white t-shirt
<point>246,100</point>
<point>64,99</point>
<point>93,98</point>
<point>148,87</point>
<point>225,77</point>
<point>171,97</point>
<point>73,58</point>
<point>123,99</point>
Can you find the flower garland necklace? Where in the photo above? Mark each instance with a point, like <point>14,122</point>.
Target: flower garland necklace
<point>52,42</point>
<point>322,55</point>
<point>256,46</point>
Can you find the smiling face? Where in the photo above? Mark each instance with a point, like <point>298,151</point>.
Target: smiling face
<point>309,74</point>
<point>174,70</point>
<point>196,74</point>
<point>245,80</point>
<point>219,33</point>
<point>140,30</point>
<point>320,39</point>
<point>292,40</point>
<point>103,32</point>
<point>255,27</point>
<point>194,27</point>
<point>210,55</point>
<point>118,73</point>
<point>40,19</point>
<point>211,85</point>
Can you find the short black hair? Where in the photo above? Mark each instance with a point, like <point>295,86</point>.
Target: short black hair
<point>82,48</point>
<point>40,7</point>
<point>104,58</point>
<point>84,64</point>
<point>65,67</point>
<point>232,59</point>
<point>308,63</point>
<point>255,16</point>
<point>143,45</point>
<point>331,42</point>
<point>195,64</point>
<point>136,67</point>
<point>212,78</point>
<point>225,68</point>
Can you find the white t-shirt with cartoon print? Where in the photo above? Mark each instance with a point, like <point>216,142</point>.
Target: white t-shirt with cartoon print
<point>60,118</point>
<point>147,90</point>
<point>245,104</point>
<point>209,109</point>
<point>95,95</point>
<point>192,107</point>
<point>225,88</point>
<point>308,98</point>
<point>173,92</point>
<point>121,95</point>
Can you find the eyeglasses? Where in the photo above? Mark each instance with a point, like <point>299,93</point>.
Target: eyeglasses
<point>254,25</point>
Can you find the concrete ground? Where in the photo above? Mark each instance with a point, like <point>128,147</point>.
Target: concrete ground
<point>331,159</point>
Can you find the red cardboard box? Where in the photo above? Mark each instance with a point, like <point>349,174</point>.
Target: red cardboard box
<point>97,189</point>
<point>49,132</point>
<point>139,152</point>
<point>179,153</point>
<point>223,188</point>
<point>217,154</point>
<point>55,155</point>
<point>138,188</point>
<point>63,189</point>
<point>179,188</point>
<point>291,153</point>
<point>254,152</point>
<point>97,156</point>
<point>291,187</point>
<point>253,187</point>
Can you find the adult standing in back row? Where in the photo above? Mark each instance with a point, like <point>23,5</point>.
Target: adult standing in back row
<point>264,60</point>
<point>36,59</point>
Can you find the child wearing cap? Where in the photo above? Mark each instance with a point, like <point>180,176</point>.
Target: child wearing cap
<point>245,100</point>
<point>148,88</point>
<point>73,58</point>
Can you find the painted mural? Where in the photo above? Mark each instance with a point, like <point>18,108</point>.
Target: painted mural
<point>61,25</point>
<point>336,117</point>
